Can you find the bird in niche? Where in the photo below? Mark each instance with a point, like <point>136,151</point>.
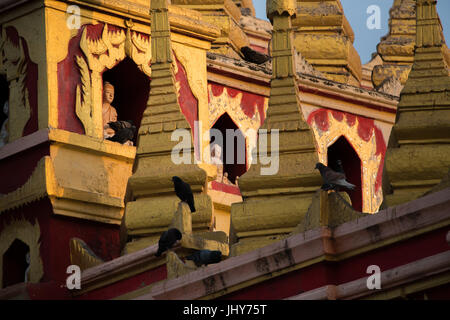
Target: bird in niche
<point>168,240</point>
<point>124,131</point>
<point>184,192</point>
<point>205,257</point>
<point>340,168</point>
<point>332,179</point>
<point>251,55</point>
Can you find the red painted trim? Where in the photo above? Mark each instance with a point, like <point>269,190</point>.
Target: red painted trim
<point>336,273</point>
<point>225,188</point>
<point>319,92</point>
<point>127,285</point>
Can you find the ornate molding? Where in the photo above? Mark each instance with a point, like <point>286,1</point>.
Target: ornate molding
<point>104,53</point>
<point>29,234</point>
<point>366,151</point>
<point>15,65</point>
<point>225,103</point>
<point>39,185</point>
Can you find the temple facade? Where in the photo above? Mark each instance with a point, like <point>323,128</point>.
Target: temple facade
<point>242,109</point>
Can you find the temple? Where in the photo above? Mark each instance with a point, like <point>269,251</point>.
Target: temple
<point>242,109</point>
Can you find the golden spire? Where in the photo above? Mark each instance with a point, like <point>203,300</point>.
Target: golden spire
<point>325,39</point>
<point>396,49</point>
<point>418,154</point>
<point>275,204</point>
<point>151,183</point>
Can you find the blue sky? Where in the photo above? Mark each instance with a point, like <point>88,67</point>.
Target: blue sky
<point>366,40</point>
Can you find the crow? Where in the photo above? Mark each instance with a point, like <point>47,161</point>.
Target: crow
<point>251,55</point>
<point>184,192</point>
<point>124,131</point>
<point>167,240</point>
<point>205,257</point>
<point>333,179</point>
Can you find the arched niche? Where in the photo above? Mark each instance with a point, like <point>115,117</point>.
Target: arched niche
<point>235,160</point>
<point>15,263</point>
<point>131,90</point>
<point>342,150</point>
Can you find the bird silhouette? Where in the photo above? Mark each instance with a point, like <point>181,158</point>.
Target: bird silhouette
<point>205,257</point>
<point>184,192</point>
<point>251,55</point>
<point>123,131</point>
<point>332,179</point>
<point>167,240</point>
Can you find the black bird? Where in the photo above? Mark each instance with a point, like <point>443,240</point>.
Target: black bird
<point>118,125</point>
<point>124,131</point>
<point>205,257</point>
<point>184,192</point>
<point>251,55</point>
<point>167,240</point>
<point>333,179</point>
<point>340,168</point>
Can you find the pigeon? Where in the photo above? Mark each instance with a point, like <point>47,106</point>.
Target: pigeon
<point>333,179</point>
<point>340,168</point>
<point>205,257</point>
<point>251,55</point>
<point>184,192</point>
<point>167,240</point>
<point>124,131</point>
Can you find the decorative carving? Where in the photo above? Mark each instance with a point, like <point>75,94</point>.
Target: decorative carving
<point>29,234</point>
<point>104,53</point>
<point>280,7</point>
<point>14,63</point>
<point>81,255</point>
<point>37,186</point>
<point>366,150</point>
<point>392,86</point>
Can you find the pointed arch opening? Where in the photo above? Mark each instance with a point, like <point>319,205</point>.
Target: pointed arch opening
<point>15,263</point>
<point>351,163</point>
<point>233,153</point>
<point>131,91</point>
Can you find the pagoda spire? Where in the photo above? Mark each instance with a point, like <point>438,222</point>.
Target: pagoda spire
<point>151,184</point>
<point>418,155</point>
<point>274,204</point>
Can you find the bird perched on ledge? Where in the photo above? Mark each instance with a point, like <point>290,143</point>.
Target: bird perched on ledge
<point>167,240</point>
<point>332,179</point>
<point>251,55</point>
<point>205,257</point>
<point>124,131</point>
<point>184,192</point>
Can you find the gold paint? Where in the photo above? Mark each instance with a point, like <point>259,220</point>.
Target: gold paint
<point>32,190</point>
<point>281,6</point>
<point>29,234</point>
<point>366,151</point>
<point>396,49</point>
<point>418,154</point>
<point>15,67</point>
<point>290,190</point>
<point>325,39</point>
<point>232,106</point>
<point>83,177</point>
<point>151,184</point>
<point>81,255</point>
